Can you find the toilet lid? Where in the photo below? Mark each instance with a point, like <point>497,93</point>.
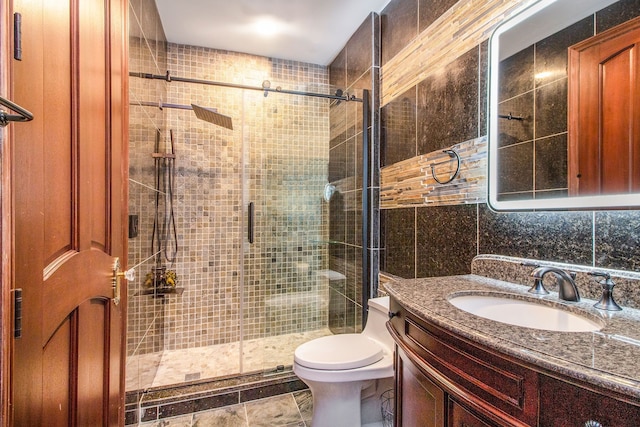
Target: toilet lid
<point>336,352</point>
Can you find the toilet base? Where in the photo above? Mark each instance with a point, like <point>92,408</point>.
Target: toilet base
<point>371,402</point>
<point>347,404</point>
<point>336,405</point>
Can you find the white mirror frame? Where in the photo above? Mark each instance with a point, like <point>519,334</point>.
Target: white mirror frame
<point>533,24</point>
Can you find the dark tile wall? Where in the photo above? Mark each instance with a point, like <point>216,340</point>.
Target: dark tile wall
<point>402,21</point>
<point>399,25</point>
<point>398,121</point>
<point>355,68</point>
<point>430,10</point>
<point>398,233</point>
<point>445,239</point>
<point>448,105</point>
<point>434,241</point>
<point>617,13</point>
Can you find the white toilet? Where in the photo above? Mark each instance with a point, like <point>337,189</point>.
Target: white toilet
<point>347,373</point>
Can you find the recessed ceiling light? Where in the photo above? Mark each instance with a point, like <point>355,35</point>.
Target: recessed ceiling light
<point>267,26</point>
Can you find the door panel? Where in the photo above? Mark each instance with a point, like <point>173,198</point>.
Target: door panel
<point>56,385</point>
<point>93,103</point>
<point>57,99</point>
<point>93,316</point>
<point>69,192</point>
<point>604,112</point>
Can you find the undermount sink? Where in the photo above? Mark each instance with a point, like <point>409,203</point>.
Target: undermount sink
<point>526,313</point>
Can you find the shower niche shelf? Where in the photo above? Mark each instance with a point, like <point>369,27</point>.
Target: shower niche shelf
<point>160,292</point>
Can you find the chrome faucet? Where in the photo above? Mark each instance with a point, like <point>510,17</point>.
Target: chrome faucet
<point>567,289</point>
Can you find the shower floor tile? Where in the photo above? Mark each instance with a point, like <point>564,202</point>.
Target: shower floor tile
<point>177,366</point>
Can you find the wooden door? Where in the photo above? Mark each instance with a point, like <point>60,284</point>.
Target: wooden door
<point>604,113</point>
<point>69,201</point>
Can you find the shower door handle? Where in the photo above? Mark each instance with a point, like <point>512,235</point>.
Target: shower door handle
<point>250,222</point>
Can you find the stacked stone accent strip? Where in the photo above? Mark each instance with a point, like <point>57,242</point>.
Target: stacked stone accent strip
<point>410,182</point>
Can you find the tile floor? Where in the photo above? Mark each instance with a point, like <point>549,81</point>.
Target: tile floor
<point>289,410</point>
<point>176,366</point>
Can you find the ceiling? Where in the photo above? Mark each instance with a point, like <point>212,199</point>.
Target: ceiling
<point>313,31</point>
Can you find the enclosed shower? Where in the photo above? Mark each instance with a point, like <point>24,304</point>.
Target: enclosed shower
<point>275,200</point>
<point>260,266</point>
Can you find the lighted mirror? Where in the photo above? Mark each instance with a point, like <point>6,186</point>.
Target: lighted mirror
<point>544,112</point>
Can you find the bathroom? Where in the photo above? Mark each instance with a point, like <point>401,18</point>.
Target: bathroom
<point>417,109</point>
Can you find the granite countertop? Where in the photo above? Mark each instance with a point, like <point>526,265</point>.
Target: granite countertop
<point>609,358</point>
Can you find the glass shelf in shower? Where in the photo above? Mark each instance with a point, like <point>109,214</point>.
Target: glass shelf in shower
<point>160,292</point>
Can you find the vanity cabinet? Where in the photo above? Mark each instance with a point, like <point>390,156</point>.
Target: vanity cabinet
<point>443,379</point>
<point>421,401</point>
<point>568,405</point>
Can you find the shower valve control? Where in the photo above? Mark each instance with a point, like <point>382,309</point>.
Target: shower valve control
<point>133,226</point>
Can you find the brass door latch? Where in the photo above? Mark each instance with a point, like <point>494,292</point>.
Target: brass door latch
<point>129,275</point>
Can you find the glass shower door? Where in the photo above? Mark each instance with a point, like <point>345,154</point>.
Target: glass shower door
<point>286,292</point>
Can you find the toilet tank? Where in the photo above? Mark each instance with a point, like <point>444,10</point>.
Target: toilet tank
<point>376,321</point>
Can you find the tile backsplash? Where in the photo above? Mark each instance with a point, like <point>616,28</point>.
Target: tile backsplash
<point>511,269</point>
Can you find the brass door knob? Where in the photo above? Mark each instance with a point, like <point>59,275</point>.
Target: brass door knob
<point>128,275</point>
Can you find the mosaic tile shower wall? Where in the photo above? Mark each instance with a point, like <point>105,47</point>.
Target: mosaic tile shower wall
<point>280,144</point>
<point>285,268</point>
<point>147,53</point>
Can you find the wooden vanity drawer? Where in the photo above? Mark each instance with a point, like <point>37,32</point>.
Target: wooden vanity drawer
<point>566,405</point>
<point>474,371</point>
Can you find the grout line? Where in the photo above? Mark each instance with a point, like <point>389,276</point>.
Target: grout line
<point>415,243</point>
<point>593,238</point>
<point>139,408</point>
<point>479,77</point>
<point>477,229</point>
<point>246,414</point>
<point>298,408</point>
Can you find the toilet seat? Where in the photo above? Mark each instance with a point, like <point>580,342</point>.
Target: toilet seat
<point>338,352</point>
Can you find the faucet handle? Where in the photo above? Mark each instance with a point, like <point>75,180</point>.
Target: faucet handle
<point>602,274</point>
<point>537,288</point>
<point>606,300</point>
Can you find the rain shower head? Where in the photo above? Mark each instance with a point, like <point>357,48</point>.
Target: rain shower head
<point>211,116</point>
